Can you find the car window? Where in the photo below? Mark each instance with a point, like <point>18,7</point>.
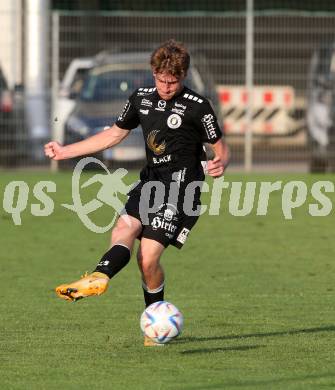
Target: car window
<point>323,63</point>
<point>78,81</point>
<point>322,66</point>
<point>114,85</point>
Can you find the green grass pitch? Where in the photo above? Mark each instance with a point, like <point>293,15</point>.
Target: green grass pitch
<point>257,294</point>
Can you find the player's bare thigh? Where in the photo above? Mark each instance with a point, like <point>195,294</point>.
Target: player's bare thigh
<point>126,230</point>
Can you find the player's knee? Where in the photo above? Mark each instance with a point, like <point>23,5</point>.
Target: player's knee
<point>124,230</point>
<point>148,257</point>
<point>148,267</point>
<point>148,260</point>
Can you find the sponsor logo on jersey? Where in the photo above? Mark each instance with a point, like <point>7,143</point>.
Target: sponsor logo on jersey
<point>159,223</point>
<point>124,111</point>
<point>182,236</point>
<point>161,105</point>
<point>178,111</point>
<point>144,112</point>
<point>208,122</point>
<point>168,214</point>
<point>146,102</point>
<point>168,210</point>
<point>166,219</point>
<point>157,148</point>
<point>174,121</point>
<point>179,105</point>
<point>161,160</point>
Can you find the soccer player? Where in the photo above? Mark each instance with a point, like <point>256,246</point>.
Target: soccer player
<point>176,121</point>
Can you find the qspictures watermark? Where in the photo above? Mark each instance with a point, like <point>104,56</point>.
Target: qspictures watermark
<point>238,198</point>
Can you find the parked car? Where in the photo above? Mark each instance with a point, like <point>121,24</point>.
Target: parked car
<point>69,90</point>
<point>106,88</point>
<point>321,109</point>
<point>12,137</point>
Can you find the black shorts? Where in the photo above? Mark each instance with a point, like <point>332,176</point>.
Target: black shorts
<point>167,202</point>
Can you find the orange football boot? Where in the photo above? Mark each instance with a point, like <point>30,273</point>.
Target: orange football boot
<point>89,284</point>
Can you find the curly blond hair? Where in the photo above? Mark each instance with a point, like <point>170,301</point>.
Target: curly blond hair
<point>171,57</point>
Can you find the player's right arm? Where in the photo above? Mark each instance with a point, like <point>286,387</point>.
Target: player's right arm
<point>105,139</point>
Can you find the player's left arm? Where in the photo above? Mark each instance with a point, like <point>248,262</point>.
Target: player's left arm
<point>218,164</point>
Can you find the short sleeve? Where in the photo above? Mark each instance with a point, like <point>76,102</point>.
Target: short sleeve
<point>207,123</point>
<point>128,118</point>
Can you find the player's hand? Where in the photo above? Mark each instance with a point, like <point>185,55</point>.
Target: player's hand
<point>215,168</point>
<point>53,150</point>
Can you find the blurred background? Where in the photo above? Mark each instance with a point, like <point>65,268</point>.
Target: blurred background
<point>268,67</point>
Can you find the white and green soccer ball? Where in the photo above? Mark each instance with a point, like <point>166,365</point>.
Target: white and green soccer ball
<point>161,322</point>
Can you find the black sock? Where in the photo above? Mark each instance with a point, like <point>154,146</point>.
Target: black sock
<point>152,296</point>
<point>114,260</point>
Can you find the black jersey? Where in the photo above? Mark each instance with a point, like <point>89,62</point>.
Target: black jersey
<point>174,130</point>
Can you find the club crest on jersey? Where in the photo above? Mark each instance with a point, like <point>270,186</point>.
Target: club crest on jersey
<point>174,121</point>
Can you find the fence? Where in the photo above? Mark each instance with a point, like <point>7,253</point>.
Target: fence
<point>284,44</point>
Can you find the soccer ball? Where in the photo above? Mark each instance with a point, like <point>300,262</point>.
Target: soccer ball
<point>162,322</point>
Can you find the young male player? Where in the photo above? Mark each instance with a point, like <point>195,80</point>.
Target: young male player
<point>176,121</point>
